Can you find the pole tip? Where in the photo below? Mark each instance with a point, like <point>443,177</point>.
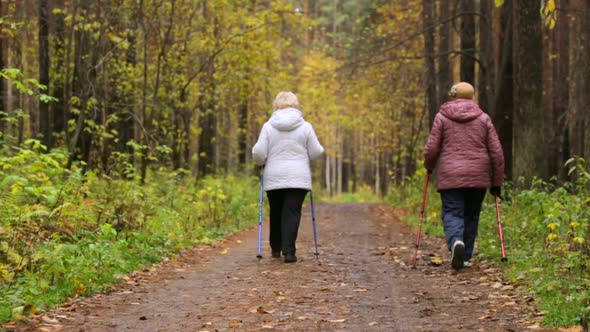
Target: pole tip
<point>259,256</point>
<point>504,259</point>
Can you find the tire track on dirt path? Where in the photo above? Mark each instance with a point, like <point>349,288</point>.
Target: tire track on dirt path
<point>360,283</point>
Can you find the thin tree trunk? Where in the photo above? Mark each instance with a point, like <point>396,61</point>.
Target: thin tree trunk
<point>582,86</point>
<point>44,63</point>
<point>428,19</point>
<point>504,103</point>
<point>328,178</point>
<point>560,105</point>
<point>444,77</point>
<point>529,116</point>
<point>57,109</point>
<point>243,132</point>
<point>467,7</point>
<point>486,66</point>
<point>339,169</point>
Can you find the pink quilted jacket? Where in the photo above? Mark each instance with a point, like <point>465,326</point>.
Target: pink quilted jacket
<point>465,144</point>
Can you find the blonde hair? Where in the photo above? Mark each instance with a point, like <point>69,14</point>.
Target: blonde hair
<point>285,99</point>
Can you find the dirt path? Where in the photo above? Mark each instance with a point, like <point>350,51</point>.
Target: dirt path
<point>360,283</point>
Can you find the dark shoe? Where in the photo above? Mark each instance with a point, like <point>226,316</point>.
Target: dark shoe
<point>290,258</point>
<point>276,254</point>
<point>457,254</point>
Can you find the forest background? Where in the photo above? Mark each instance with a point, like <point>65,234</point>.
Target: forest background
<point>120,118</point>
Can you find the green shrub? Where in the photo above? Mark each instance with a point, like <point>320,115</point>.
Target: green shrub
<point>66,232</point>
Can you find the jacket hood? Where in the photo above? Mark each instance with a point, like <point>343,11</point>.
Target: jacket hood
<point>286,119</point>
<point>461,110</point>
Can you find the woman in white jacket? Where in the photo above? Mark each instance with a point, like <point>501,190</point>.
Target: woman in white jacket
<point>285,147</point>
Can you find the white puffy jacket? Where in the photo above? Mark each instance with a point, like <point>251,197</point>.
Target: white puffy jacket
<point>286,145</point>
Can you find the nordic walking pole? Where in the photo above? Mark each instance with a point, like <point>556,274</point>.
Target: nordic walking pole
<point>315,233</point>
<point>419,235</point>
<point>259,256</point>
<point>504,259</point>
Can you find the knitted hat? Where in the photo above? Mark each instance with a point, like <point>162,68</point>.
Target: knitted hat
<point>462,90</point>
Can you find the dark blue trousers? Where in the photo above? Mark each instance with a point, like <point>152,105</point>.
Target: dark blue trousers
<point>285,215</point>
<point>460,215</point>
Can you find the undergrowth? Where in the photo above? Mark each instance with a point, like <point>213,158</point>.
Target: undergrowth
<point>67,233</point>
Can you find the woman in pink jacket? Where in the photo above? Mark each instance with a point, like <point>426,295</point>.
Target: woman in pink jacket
<point>464,142</point>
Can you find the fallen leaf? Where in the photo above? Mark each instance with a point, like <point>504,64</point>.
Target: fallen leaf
<point>360,290</point>
<point>261,310</point>
<point>436,261</point>
<point>49,320</point>
<point>336,320</point>
<point>224,251</point>
<point>373,323</point>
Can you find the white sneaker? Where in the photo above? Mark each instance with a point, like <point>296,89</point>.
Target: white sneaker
<point>457,252</point>
<point>467,264</point>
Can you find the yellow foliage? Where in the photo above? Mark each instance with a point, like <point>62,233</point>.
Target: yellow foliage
<point>579,240</point>
<point>551,237</point>
<point>549,13</point>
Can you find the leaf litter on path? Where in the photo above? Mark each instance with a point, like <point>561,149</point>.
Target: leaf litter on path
<point>355,289</point>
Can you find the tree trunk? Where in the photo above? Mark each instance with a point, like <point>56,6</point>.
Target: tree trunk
<point>560,102</point>
<point>243,132</point>
<point>58,108</point>
<point>84,77</point>
<point>207,118</point>
<point>431,97</point>
<point>444,78</point>
<point>44,63</point>
<point>504,104</point>
<point>467,9</point>
<point>582,85</point>
<point>328,178</point>
<point>486,89</point>
<point>529,117</point>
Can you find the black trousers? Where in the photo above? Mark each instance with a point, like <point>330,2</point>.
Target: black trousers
<point>285,215</point>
